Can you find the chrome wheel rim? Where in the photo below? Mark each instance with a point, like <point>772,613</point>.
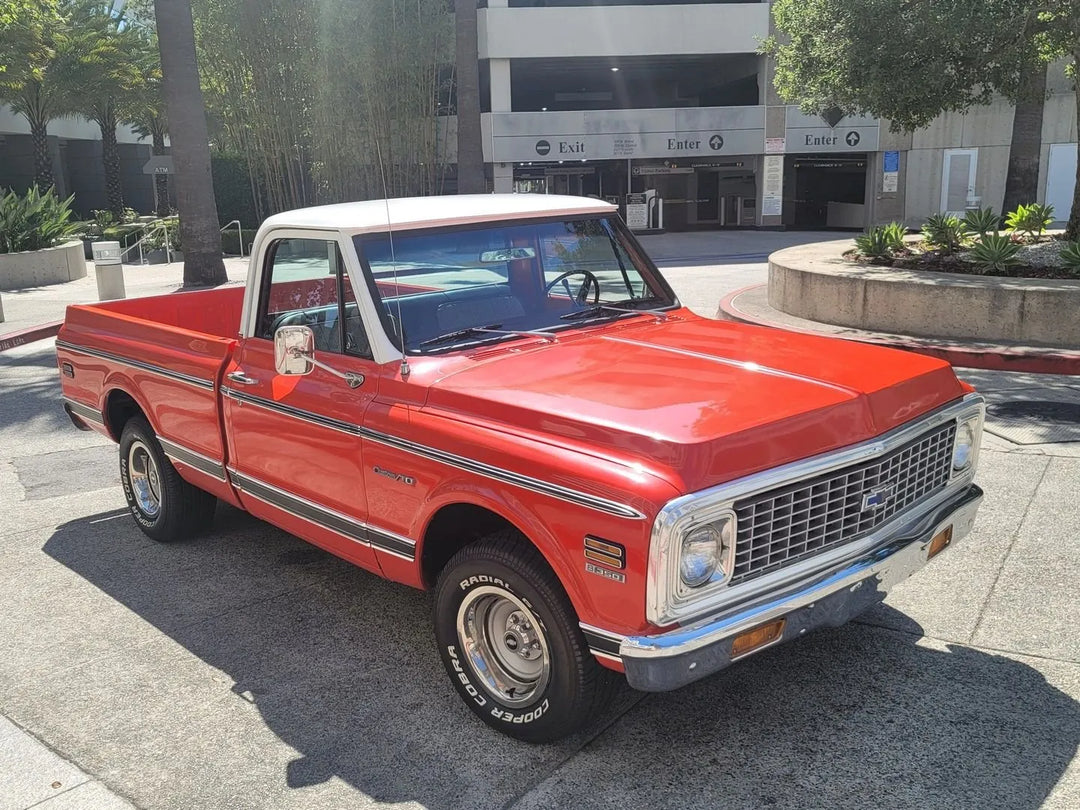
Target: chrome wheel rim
<point>145,479</point>
<point>505,644</point>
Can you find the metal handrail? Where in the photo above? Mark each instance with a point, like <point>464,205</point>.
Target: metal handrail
<point>153,228</point>
<point>239,234</point>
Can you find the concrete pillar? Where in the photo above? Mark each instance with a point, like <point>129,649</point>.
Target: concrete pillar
<point>503,174</point>
<point>887,206</point>
<point>500,85</point>
<point>775,127</point>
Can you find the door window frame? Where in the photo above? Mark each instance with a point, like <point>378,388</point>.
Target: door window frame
<point>257,270</point>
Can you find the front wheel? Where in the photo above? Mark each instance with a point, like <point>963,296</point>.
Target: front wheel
<point>511,643</point>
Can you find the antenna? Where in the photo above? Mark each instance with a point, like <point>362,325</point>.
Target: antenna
<point>405,371</point>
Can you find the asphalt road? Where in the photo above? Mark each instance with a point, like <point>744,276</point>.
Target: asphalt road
<point>247,669</point>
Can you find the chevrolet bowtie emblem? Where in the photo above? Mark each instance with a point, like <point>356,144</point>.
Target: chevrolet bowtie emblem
<point>876,498</point>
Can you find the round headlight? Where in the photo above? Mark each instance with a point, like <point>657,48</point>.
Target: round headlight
<point>964,448</point>
<point>700,555</point>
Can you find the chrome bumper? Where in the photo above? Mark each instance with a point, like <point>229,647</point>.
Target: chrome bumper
<point>674,659</point>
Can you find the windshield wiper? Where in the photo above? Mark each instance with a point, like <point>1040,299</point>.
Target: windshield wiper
<point>597,309</point>
<point>492,329</point>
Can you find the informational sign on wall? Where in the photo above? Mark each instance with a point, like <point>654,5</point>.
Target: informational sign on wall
<point>775,146</point>
<point>890,180</point>
<point>772,199</point>
<point>637,212</point>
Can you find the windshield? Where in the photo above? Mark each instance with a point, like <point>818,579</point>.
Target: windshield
<point>491,282</point>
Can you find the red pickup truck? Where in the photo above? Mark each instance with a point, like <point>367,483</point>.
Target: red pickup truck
<point>501,399</point>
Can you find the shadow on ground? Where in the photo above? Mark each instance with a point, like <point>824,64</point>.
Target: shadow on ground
<point>35,398</point>
<point>341,667</point>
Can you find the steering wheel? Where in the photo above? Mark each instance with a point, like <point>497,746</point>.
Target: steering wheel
<point>582,296</point>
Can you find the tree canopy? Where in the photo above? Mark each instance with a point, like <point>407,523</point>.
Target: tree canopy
<point>910,61</point>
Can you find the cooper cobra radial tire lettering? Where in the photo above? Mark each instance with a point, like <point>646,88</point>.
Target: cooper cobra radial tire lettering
<point>164,505</point>
<point>511,643</point>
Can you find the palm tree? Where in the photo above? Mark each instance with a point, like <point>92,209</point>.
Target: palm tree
<point>190,145</point>
<point>110,50</point>
<point>1022,178</point>
<point>470,151</point>
<point>37,58</point>
<point>145,112</point>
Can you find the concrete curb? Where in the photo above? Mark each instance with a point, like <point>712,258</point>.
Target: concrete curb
<point>815,282</point>
<point>29,335</point>
<point>1028,360</point>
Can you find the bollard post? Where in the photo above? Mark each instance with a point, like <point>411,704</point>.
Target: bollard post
<point>1,309</point>
<point>109,271</point>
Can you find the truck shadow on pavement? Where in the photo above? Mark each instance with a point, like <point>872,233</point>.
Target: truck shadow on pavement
<point>342,669</point>
<point>35,398</point>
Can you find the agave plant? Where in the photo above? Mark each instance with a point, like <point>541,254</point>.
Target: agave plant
<point>878,243</point>
<point>982,221</point>
<point>1031,219</point>
<point>944,233</point>
<point>34,221</point>
<point>1070,255</point>
<point>995,253</point>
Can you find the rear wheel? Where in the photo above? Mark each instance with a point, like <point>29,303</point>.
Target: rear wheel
<point>511,642</point>
<point>165,506</point>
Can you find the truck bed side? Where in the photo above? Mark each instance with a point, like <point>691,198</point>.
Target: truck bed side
<point>119,355</point>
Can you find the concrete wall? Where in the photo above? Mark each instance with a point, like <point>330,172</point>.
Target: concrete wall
<point>989,130</point>
<point>525,33</point>
<point>814,282</point>
<point>50,266</point>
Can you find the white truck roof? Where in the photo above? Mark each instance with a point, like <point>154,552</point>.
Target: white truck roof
<point>406,213</point>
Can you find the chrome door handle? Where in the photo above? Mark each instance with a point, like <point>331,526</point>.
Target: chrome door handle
<point>241,377</point>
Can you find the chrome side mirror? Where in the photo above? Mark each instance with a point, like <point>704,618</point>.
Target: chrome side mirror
<point>294,350</point>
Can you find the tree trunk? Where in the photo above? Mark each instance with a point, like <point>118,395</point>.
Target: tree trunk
<point>1072,230</point>
<point>43,175</point>
<point>470,156</point>
<point>199,232</point>
<point>1022,180</point>
<point>161,181</point>
<point>110,158</point>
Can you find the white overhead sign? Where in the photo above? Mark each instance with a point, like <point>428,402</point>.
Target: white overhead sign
<point>621,134</point>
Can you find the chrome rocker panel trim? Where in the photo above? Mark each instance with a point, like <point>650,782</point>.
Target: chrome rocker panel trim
<point>676,658</point>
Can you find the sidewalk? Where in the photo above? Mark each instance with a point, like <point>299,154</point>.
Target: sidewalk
<point>39,306</point>
<point>32,775</point>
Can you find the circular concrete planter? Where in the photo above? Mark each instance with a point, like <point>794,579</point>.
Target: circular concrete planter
<point>815,282</point>
<point>36,268</point>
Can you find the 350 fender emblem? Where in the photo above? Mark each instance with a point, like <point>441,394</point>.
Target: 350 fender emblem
<point>408,480</point>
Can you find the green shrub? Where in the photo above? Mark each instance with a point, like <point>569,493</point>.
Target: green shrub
<point>895,233</point>
<point>944,233</point>
<point>1031,219</point>
<point>1070,255</point>
<point>982,221</point>
<point>34,221</point>
<point>231,247</point>
<point>995,253</point>
<point>881,242</point>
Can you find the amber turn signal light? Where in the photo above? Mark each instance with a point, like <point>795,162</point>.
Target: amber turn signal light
<point>940,542</point>
<point>761,636</point>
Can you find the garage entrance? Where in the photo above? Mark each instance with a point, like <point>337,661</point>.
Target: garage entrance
<point>825,191</point>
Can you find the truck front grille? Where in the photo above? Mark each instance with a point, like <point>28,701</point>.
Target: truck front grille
<point>796,521</point>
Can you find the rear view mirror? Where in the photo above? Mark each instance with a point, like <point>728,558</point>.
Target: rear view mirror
<point>294,350</point>
<point>507,255</point>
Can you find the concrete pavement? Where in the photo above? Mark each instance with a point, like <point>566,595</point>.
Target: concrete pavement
<point>247,669</point>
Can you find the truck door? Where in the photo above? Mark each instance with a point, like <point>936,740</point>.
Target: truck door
<point>294,440</point>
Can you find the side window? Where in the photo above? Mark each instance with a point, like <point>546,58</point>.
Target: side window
<point>305,284</point>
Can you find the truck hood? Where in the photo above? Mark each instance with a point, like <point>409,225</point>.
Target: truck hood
<point>695,401</point>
